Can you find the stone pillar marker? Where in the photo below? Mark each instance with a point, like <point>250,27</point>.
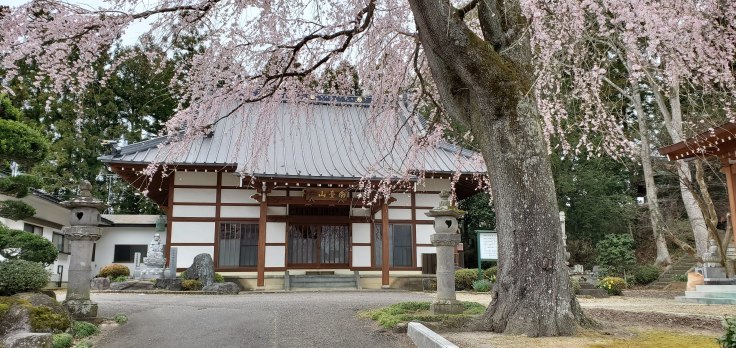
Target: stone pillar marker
<point>446,240</point>
<point>83,231</point>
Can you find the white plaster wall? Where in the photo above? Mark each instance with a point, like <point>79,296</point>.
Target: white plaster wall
<point>424,250</point>
<point>196,178</point>
<point>361,233</point>
<point>241,196</point>
<point>423,233</point>
<point>434,185</point>
<point>427,199</point>
<point>230,179</point>
<point>194,211</point>
<point>277,193</point>
<point>360,212</point>
<point>361,256</point>
<point>276,211</point>
<point>399,214</point>
<point>402,199</point>
<point>422,216</point>
<point>275,256</point>
<point>185,254</point>
<point>192,232</point>
<point>275,232</point>
<point>240,212</point>
<point>105,249</point>
<point>186,195</point>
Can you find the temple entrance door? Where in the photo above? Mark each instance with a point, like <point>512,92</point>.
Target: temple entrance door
<point>318,246</point>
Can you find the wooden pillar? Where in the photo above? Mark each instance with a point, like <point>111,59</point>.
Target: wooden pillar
<point>728,169</point>
<point>384,246</point>
<point>262,239</point>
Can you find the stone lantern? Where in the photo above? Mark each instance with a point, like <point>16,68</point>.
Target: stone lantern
<point>446,240</point>
<point>83,231</point>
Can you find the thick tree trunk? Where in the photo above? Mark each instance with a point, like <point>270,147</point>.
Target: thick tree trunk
<point>655,216</point>
<point>489,93</point>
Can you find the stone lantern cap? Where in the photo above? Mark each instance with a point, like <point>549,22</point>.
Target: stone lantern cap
<point>85,199</point>
<point>444,208</point>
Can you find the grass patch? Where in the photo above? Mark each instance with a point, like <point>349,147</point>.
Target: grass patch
<point>83,329</point>
<point>389,317</point>
<point>661,339</point>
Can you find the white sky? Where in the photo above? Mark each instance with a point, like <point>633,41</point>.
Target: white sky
<point>132,33</point>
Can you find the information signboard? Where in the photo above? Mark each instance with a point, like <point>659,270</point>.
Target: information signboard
<point>487,248</point>
<point>488,245</point>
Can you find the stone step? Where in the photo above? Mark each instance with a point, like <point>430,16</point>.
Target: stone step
<point>716,288</point>
<point>705,300</point>
<point>325,285</point>
<point>710,294</point>
<point>325,278</point>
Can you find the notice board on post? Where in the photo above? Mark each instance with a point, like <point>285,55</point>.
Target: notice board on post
<point>487,245</point>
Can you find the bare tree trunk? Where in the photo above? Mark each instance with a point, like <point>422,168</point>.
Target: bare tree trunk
<point>707,207</point>
<point>655,216</point>
<point>488,91</point>
<point>673,123</point>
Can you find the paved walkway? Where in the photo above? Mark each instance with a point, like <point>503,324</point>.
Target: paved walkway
<point>298,319</point>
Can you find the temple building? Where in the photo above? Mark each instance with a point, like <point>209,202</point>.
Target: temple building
<point>300,210</point>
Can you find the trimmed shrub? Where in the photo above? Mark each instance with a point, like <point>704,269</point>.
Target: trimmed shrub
<point>613,285</point>
<point>183,275</point>
<point>16,210</point>
<point>21,245</point>
<point>62,340</point>
<point>616,253</point>
<point>464,278</point>
<point>21,276</point>
<point>219,278</point>
<point>21,143</point>
<point>645,274</point>
<point>18,186</point>
<point>82,329</point>
<point>490,273</point>
<point>482,285</point>
<point>728,340</point>
<point>191,285</point>
<point>113,271</point>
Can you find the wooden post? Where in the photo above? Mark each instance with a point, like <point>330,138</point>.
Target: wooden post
<point>728,169</point>
<point>384,246</point>
<point>262,239</point>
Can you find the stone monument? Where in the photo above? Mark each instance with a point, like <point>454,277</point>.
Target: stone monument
<point>154,260</point>
<point>564,237</point>
<point>83,231</point>
<point>445,239</point>
<point>713,272</point>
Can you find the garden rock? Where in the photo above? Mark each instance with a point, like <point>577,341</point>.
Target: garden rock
<point>168,284</point>
<point>49,293</point>
<point>132,285</point>
<point>227,288</point>
<point>30,312</point>
<point>203,269</point>
<point>29,340</point>
<point>100,283</point>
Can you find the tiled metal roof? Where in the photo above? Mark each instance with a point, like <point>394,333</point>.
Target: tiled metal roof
<point>317,139</point>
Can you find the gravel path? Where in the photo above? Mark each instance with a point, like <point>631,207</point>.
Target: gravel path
<point>635,301</point>
<point>297,319</point>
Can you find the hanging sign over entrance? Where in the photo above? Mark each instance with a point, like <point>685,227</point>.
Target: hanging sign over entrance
<point>326,194</point>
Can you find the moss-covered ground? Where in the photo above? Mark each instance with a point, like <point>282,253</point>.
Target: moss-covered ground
<point>391,316</point>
